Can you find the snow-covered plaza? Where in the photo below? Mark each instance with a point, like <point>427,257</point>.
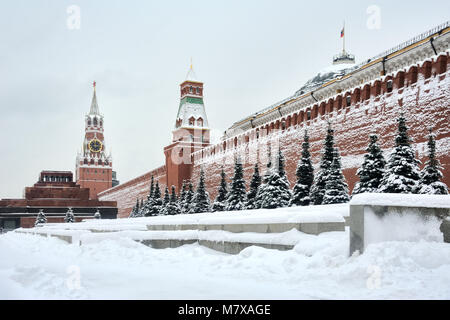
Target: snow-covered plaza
<point>318,267</point>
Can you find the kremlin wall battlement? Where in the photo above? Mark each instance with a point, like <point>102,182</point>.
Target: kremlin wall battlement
<point>413,80</point>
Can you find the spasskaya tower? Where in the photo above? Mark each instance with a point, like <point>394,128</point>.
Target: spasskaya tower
<point>93,165</point>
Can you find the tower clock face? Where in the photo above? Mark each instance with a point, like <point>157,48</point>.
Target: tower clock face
<point>95,145</point>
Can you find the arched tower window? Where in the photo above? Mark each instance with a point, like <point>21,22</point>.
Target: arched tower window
<point>95,121</point>
<point>191,121</point>
<point>200,122</point>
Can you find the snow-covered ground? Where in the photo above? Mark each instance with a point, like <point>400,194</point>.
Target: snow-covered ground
<point>35,267</point>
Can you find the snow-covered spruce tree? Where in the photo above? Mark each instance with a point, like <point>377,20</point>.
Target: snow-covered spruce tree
<point>141,208</point>
<point>254,185</point>
<point>220,201</point>
<point>372,168</point>
<point>154,202</point>
<point>305,177</point>
<point>152,188</point>
<point>163,209</point>
<point>276,193</point>
<point>431,174</point>
<point>402,170</point>
<point>172,207</point>
<point>97,215</point>
<point>200,201</point>
<point>135,211</point>
<point>320,179</point>
<point>69,218</point>
<point>157,202</point>
<point>260,194</point>
<point>182,194</point>
<point>187,204</point>
<point>41,218</point>
<point>336,189</point>
<point>237,196</point>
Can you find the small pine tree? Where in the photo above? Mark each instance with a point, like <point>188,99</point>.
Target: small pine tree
<point>97,215</point>
<point>69,218</point>
<point>372,169</point>
<point>237,196</point>
<point>182,194</point>
<point>431,174</point>
<point>200,201</point>
<point>172,207</point>
<point>261,189</point>
<point>276,193</point>
<point>254,186</point>
<point>402,170</point>
<point>141,209</point>
<point>152,188</point>
<point>135,211</point>
<point>154,203</point>
<point>336,189</point>
<point>320,180</point>
<point>305,177</point>
<point>187,204</point>
<point>165,203</point>
<point>40,219</point>
<point>220,202</point>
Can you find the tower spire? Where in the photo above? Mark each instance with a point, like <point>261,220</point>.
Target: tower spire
<point>94,105</point>
<point>191,76</point>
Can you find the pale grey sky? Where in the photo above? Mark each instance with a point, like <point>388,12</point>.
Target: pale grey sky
<point>249,53</point>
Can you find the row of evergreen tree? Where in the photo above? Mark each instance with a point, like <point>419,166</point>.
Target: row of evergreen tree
<point>68,218</point>
<point>400,174</point>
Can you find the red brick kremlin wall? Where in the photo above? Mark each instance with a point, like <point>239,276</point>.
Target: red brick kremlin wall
<point>421,93</point>
<point>138,188</point>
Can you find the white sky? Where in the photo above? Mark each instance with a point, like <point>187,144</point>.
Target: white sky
<point>250,54</point>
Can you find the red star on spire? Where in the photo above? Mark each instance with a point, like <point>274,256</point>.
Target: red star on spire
<point>95,83</point>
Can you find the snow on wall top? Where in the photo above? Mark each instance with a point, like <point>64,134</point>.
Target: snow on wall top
<point>402,200</point>
<point>338,71</point>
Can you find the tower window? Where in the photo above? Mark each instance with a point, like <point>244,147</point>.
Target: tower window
<point>190,89</point>
<point>191,121</point>
<point>198,90</point>
<point>200,122</point>
<point>95,121</point>
<point>349,101</point>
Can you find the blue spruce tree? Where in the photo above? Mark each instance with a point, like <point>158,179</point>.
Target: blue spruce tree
<point>372,169</point>
<point>431,174</point>
<point>220,202</point>
<point>238,195</point>
<point>305,177</point>
<point>402,170</point>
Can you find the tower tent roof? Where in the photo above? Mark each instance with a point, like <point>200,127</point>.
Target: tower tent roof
<point>191,76</point>
<point>94,106</point>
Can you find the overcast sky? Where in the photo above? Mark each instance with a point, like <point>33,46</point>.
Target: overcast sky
<point>250,54</point>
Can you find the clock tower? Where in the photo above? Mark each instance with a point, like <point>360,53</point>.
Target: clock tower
<point>93,166</point>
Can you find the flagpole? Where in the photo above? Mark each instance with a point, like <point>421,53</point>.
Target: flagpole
<point>343,40</point>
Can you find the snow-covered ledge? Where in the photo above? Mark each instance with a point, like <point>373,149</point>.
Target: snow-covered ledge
<point>377,217</point>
